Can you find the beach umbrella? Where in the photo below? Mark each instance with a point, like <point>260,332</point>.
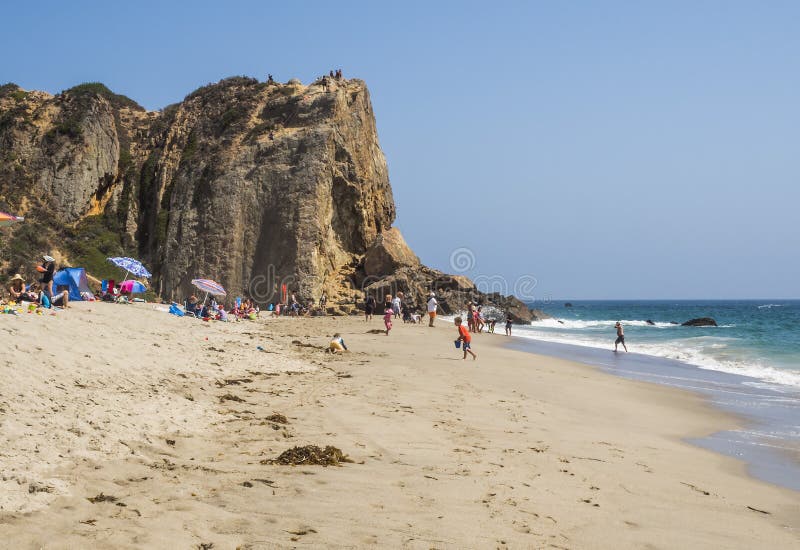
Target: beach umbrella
<point>8,219</point>
<point>132,287</point>
<point>132,266</point>
<point>209,287</point>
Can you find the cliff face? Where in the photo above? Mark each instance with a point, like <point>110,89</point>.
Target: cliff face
<point>248,183</point>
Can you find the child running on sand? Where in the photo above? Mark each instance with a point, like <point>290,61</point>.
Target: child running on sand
<point>465,338</point>
<point>387,317</point>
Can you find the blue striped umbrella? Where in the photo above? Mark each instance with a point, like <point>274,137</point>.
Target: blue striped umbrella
<point>209,287</point>
<point>132,266</point>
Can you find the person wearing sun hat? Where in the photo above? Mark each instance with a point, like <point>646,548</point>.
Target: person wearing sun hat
<point>16,287</point>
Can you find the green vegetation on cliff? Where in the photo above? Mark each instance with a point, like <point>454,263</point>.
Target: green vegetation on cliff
<point>90,89</point>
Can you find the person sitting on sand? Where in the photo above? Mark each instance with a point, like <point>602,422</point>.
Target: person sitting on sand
<point>17,291</point>
<point>465,338</point>
<point>337,344</point>
<point>60,299</point>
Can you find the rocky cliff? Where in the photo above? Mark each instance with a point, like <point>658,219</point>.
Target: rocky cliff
<point>252,184</point>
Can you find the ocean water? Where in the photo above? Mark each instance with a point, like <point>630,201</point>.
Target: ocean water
<point>759,339</point>
<point>748,365</point>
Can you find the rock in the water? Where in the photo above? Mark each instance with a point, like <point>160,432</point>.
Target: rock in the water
<point>539,315</point>
<point>568,304</point>
<point>700,322</point>
<point>649,322</point>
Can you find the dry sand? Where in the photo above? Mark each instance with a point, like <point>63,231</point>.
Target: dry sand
<point>169,417</point>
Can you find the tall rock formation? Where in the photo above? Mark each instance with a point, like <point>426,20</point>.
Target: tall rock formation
<point>249,183</point>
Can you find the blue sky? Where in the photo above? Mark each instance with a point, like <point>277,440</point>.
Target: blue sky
<point>604,149</point>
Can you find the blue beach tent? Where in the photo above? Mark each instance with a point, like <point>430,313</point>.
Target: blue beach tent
<point>72,279</point>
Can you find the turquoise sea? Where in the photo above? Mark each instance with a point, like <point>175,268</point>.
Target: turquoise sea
<point>755,338</point>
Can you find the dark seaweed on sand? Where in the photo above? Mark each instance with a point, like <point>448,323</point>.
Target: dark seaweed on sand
<point>101,498</point>
<point>310,455</point>
<point>277,418</point>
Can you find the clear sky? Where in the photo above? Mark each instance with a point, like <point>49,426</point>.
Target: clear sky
<point>603,149</point>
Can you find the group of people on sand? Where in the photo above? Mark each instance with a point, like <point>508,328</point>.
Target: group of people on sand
<point>39,294</point>
<point>211,310</point>
<point>394,307</point>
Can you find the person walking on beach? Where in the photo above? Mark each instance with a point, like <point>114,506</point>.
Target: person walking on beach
<point>620,338</point>
<point>369,308</point>
<point>508,325</point>
<point>432,304</point>
<point>396,304</point>
<point>465,338</point>
<point>387,318</point>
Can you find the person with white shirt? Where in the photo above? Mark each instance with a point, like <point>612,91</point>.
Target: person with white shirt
<point>432,305</point>
<point>396,302</point>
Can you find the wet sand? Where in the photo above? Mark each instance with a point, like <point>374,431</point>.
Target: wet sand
<point>168,421</point>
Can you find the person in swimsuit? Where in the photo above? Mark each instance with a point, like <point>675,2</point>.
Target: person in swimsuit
<point>620,338</point>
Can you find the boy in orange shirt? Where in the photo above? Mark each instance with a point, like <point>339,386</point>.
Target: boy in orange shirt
<point>465,338</point>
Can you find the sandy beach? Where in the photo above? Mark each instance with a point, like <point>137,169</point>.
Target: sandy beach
<point>168,426</point>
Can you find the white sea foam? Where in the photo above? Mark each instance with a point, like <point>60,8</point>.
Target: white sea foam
<point>694,351</point>
<point>769,306</point>
<point>580,324</point>
<point>604,323</point>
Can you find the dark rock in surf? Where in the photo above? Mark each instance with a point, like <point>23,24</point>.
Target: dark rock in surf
<point>649,322</point>
<point>700,322</point>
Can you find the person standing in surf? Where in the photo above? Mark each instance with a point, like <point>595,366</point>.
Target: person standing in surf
<point>620,338</point>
